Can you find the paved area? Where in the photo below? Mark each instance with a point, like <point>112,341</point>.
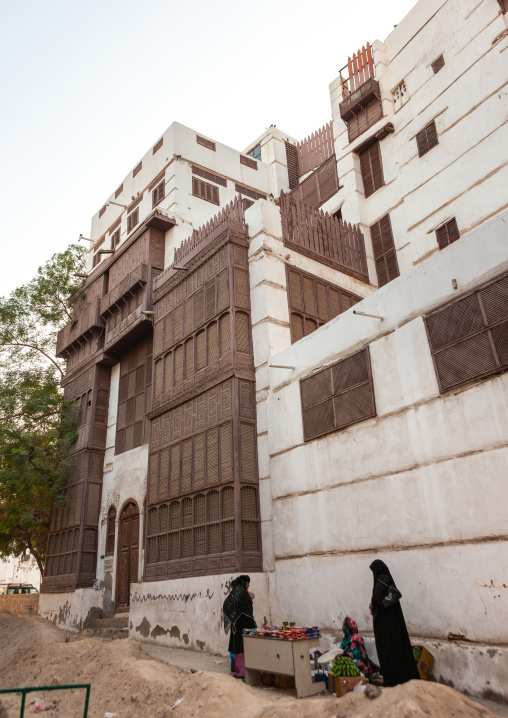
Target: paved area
<point>201,661</point>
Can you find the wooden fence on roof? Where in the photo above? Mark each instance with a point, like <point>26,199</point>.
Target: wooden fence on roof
<point>315,149</point>
<point>323,237</point>
<point>360,67</point>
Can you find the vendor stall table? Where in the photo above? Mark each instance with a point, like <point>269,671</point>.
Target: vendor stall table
<point>290,658</point>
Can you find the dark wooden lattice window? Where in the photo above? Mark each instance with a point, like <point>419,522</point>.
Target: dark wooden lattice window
<point>205,191</point>
<point>427,139</point>
<point>115,239</point>
<point>132,220</point>
<point>338,396</point>
<point>313,302</point>
<point>469,337</point>
<point>385,256</point>
<point>133,396</point>
<point>319,186</point>
<point>365,118</point>
<point>447,233</point>
<point>158,193</point>
<point>292,160</point>
<point>438,64</point>
<point>110,535</point>
<point>371,168</point>
<point>205,143</point>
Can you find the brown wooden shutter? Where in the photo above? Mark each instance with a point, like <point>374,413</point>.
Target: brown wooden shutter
<point>137,169</point>
<point>248,452</point>
<point>225,335</point>
<point>213,343</point>
<point>168,371</point>
<point>371,168</point>
<point>119,191</point>
<point>200,350</point>
<point>327,179</point>
<point>252,193</point>
<point>205,143</point>
<point>427,139</point>
<point>385,255</point>
<point>248,162</point>
<point>157,146</point>
<point>158,194</point>
<point>242,332</point>
<point>188,319</point>
<point>365,118</point>
<point>338,396</point>
<point>292,162</point>
<point>438,64</point>
<point>447,233</point>
<point>295,290</point>
<point>205,191</point>
<point>102,210</point>
<point>469,337</point>
<point>200,172</point>
<point>242,292</point>
<point>189,358</point>
<point>210,299</point>
<point>222,291</point>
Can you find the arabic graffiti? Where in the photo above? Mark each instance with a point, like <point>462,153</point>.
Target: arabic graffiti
<point>480,584</point>
<point>185,597</point>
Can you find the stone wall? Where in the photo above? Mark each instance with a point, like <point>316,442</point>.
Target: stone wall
<point>22,605</point>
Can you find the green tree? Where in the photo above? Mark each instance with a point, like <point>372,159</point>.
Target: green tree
<point>37,428</point>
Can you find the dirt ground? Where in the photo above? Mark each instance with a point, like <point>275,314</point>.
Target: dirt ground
<point>128,682</point>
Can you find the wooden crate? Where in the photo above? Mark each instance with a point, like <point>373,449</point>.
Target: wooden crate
<point>340,685</point>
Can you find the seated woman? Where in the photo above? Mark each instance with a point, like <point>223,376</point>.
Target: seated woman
<point>353,647</point>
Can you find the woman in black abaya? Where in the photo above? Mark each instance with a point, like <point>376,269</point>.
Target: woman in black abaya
<point>238,614</point>
<point>392,640</point>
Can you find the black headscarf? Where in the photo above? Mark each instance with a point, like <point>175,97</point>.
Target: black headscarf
<point>237,604</point>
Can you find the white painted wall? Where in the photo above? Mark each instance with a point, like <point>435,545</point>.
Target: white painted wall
<point>14,570</point>
<point>187,612</point>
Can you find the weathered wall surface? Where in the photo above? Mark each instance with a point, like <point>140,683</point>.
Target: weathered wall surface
<point>69,610</point>
<point>186,613</point>
<point>422,484</point>
<point>23,605</point>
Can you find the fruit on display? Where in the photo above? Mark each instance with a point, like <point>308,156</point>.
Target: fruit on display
<point>344,666</point>
<point>417,652</point>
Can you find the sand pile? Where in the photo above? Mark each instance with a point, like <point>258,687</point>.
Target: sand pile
<point>128,682</point>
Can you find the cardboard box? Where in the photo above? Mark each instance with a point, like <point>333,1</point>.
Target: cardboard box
<point>340,685</point>
<point>425,663</point>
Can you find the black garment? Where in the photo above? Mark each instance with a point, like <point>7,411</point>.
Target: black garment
<point>392,640</point>
<point>238,613</point>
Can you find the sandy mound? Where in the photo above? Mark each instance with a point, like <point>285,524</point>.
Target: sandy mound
<point>128,682</point>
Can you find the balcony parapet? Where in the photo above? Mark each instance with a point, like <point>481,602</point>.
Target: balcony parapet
<point>126,288</point>
<point>80,329</point>
<point>361,97</point>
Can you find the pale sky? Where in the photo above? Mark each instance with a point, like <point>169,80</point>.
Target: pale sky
<point>87,88</point>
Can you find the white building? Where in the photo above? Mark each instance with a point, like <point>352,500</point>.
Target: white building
<point>326,392</point>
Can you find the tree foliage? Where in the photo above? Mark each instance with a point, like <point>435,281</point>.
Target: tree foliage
<point>37,428</point>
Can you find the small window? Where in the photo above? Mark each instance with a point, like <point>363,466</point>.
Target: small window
<point>115,239</point>
<point>96,261</point>
<point>102,210</point>
<point>438,64</point>
<point>132,219</point>
<point>400,96</point>
<point>157,145</point>
<point>447,233</point>
<point>252,193</point>
<point>209,176</point>
<point>371,169</point>
<point>119,191</point>
<point>426,139</point>
<point>338,396</point>
<point>365,118</point>
<point>248,162</point>
<point>205,143</point>
<point>110,537</point>
<point>137,169</point>
<point>385,256</point>
<point>158,194</point>
<point>205,191</point>
<point>255,152</point>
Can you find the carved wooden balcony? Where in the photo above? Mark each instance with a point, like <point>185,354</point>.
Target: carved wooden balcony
<point>361,97</point>
<point>127,287</point>
<point>80,329</point>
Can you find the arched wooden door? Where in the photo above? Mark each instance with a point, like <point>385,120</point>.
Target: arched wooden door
<point>128,554</point>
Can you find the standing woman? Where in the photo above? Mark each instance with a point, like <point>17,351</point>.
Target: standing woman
<point>238,614</point>
<point>392,640</point>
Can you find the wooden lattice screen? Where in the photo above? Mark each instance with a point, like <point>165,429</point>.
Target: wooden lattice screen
<point>338,396</point>
<point>313,302</point>
<point>469,337</point>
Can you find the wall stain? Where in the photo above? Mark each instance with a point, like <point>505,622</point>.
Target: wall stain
<point>159,631</point>
<point>175,632</point>
<point>479,584</point>
<point>186,639</point>
<point>144,628</point>
<point>201,645</point>
<point>492,652</point>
